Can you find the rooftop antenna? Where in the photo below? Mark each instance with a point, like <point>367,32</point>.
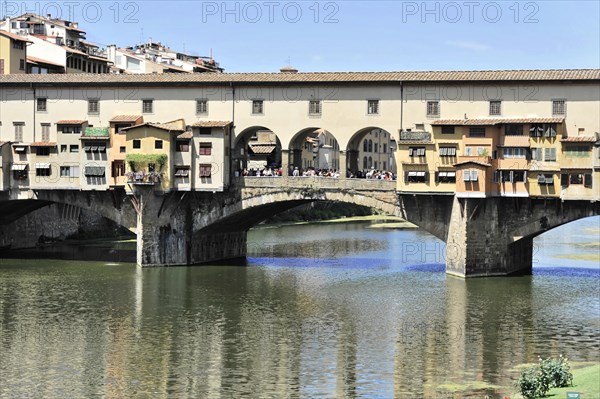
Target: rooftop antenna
<point>211,54</point>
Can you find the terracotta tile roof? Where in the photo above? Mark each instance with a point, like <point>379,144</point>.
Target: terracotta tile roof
<point>170,127</point>
<point>70,122</point>
<point>35,60</point>
<point>14,36</point>
<point>212,124</point>
<point>307,77</point>
<point>42,144</point>
<point>186,135</point>
<point>514,141</point>
<point>475,162</point>
<point>125,118</point>
<point>580,139</point>
<point>262,148</point>
<point>494,121</point>
<point>414,142</point>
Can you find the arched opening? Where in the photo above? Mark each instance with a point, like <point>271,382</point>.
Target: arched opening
<point>376,148</point>
<point>257,152</point>
<point>314,151</point>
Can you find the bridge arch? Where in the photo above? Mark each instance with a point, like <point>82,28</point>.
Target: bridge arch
<point>314,148</point>
<point>256,147</point>
<point>371,147</point>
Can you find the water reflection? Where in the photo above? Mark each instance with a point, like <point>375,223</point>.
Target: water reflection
<point>366,322</point>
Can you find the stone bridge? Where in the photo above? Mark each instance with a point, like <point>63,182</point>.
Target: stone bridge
<point>485,236</point>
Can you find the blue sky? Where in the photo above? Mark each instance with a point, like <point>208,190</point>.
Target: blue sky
<point>350,35</point>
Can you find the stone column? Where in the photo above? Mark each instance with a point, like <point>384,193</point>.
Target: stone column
<point>285,162</point>
<point>481,240</point>
<point>343,165</point>
<point>352,160</point>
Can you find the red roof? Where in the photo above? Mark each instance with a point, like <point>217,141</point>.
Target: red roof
<point>494,121</point>
<point>125,118</point>
<point>212,124</point>
<point>580,139</point>
<point>70,122</point>
<point>35,60</point>
<point>42,144</point>
<point>14,36</point>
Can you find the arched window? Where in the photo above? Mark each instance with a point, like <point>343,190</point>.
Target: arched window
<point>365,164</point>
<point>370,146</point>
<point>370,162</point>
<point>366,145</point>
<point>375,147</point>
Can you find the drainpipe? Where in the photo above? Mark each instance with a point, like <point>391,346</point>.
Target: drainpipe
<point>401,104</point>
<point>231,133</point>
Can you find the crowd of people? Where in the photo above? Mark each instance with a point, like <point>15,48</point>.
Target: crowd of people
<point>372,174</point>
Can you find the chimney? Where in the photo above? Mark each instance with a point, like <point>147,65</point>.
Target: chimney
<point>288,69</point>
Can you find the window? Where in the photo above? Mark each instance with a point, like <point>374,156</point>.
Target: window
<point>63,148</point>
<point>577,151</point>
<point>45,132</point>
<point>513,130</point>
<point>18,45</point>
<point>549,154</point>
<point>495,108</point>
<point>42,151</point>
<point>416,177</point>
<point>550,130</point>
<point>182,171</point>
<point>69,171</point>
<point>182,146</point>
<point>513,176</point>
<point>257,107</point>
<point>370,146</point>
<point>21,64</point>
<point>42,169</point>
<point>545,179</point>
<point>536,154</point>
<point>205,170</point>
<point>447,129</point>
<point>93,106</point>
<point>473,151</point>
<point>416,151</point>
<point>42,104</point>
<point>147,106</point>
<point>137,144</point>
<point>158,144</point>
<point>122,149</point>
<point>314,107</point>
<point>375,147</point>
<point>18,131</point>
<point>73,148</point>
<point>201,106</point>
<point>205,149</point>
<point>366,145</point>
<point>446,177</point>
<point>545,130</point>
<point>433,108</point>
<point>447,151</point>
<point>365,163</point>
<point>372,107</point>
<point>577,179</point>
<point>205,131</point>
<point>559,107</point>
<point>511,152</point>
<point>470,175</point>
<point>385,149</point>
<point>477,132</point>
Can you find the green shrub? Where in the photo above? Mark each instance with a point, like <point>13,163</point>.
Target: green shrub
<point>532,383</point>
<point>536,381</point>
<point>557,371</point>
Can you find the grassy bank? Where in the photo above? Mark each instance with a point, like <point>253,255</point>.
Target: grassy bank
<point>586,381</point>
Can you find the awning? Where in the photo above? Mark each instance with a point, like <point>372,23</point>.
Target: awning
<point>42,166</point>
<point>421,174</point>
<point>19,166</point>
<point>20,149</point>
<point>412,173</point>
<point>182,172</point>
<point>94,148</point>
<point>262,148</point>
<point>94,171</point>
<point>451,174</point>
<point>443,174</point>
<point>87,148</point>
<point>101,148</point>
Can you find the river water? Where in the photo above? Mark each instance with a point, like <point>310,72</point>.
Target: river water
<point>319,311</point>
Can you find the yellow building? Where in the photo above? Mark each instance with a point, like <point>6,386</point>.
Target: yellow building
<point>118,145</point>
<point>148,149</point>
<point>13,53</point>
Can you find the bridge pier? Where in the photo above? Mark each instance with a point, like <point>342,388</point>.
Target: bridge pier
<point>481,242</point>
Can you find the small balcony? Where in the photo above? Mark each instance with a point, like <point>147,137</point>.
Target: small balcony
<point>144,178</point>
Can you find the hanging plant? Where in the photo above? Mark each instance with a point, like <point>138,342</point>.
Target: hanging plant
<point>139,162</point>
